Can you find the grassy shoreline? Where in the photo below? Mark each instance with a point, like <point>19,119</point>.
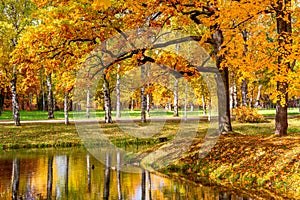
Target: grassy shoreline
<point>247,159</point>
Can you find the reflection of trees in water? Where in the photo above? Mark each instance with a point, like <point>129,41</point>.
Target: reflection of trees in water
<point>50,177</point>
<point>119,176</point>
<point>106,178</point>
<point>15,178</point>
<point>71,177</point>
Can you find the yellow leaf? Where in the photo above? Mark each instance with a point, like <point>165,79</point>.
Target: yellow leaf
<point>101,4</point>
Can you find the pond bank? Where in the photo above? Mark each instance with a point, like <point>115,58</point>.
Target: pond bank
<point>261,167</point>
<point>258,165</point>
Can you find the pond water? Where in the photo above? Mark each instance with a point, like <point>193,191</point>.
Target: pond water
<point>75,174</point>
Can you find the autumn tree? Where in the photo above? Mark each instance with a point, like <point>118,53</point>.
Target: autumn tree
<point>15,16</point>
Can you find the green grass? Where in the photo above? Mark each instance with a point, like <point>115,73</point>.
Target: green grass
<point>155,113</point>
<point>272,111</point>
<point>43,115</point>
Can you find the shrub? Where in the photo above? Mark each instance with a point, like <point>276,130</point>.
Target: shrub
<point>245,114</point>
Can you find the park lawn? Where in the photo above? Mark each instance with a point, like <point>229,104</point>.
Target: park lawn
<point>248,160</point>
<point>135,114</point>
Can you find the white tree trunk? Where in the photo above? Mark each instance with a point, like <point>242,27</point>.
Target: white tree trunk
<point>87,113</point>
<point>50,98</point>
<point>176,98</point>
<point>66,108</point>
<point>118,104</point>
<point>258,96</point>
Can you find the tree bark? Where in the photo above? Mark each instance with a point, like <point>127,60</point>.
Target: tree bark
<point>258,97</point>
<point>223,96</point>
<point>15,100</point>
<point>50,97</point>
<point>118,93</point>
<point>15,178</point>
<point>87,113</point>
<point>66,108</point>
<point>244,92</point>
<point>2,97</point>
<point>107,100</point>
<point>143,97</point>
<point>204,105</point>
<point>176,98</point>
<point>284,29</point>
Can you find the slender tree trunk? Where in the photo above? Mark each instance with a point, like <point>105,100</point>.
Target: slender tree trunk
<point>258,97</point>
<point>204,105</point>
<point>185,102</point>
<point>118,93</point>
<point>15,100</point>
<point>176,98</point>
<point>192,107</point>
<point>50,97</point>
<point>43,96</point>
<point>107,100</point>
<point>143,97</point>
<point>88,105</point>
<point>284,29</point>
<point>2,97</point>
<point>223,96</point>
<point>244,92</point>
<point>50,178</point>
<point>132,102</point>
<point>235,99</point>
<point>106,178</point>
<point>66,107</point>
<point>15,178</point>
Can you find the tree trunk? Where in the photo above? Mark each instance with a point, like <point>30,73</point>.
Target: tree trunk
<point>15,100</point>
<point>50,97</point>
<point>87,113</point>
<point>223,96</point>
<point>2,97</point>
<point>143,97</point>
<point>50,178</point>
<point>284,29</point>
<point>176,98</point>
<point>15,178</point>
<point>185,102</point>
<point>204,105</point>
<point>107,100</point>
<point>66,107</point>
<point>118,104</point>
<point>258,97</point>
<point>43,97</point>
<point>244,92</point>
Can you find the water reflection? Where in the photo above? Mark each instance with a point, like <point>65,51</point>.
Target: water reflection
<point>75,174</point>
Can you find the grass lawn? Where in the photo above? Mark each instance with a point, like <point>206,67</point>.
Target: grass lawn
<point>155,113</point>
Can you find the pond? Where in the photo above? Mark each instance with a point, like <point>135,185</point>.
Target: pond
<point>75,174</point>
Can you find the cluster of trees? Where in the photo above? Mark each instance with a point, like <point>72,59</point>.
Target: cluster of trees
<point>254,45</point>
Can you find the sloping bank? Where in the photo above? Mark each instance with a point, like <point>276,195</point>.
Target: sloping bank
<point>258,166</point>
